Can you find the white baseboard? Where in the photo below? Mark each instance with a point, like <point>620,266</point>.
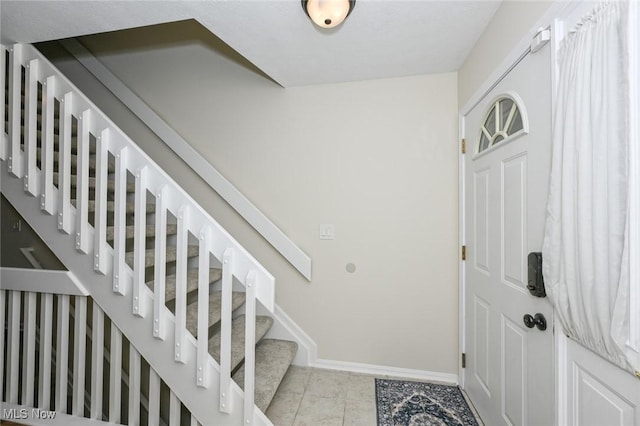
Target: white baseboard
<point>383,370</point>
<point>285,328</point>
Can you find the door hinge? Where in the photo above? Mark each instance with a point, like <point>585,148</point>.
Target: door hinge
<point>463,146</point>
<point>464,253</point>
<point>464,360</point>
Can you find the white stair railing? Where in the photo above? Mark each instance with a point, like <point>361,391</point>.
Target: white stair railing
<point>140,188</point>
<point>63,302</point>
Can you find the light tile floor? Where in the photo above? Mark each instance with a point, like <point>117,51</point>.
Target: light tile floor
<point>313,397</point>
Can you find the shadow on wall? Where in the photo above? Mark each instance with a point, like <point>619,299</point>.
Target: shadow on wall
<point>21,247</point>
<point>162,35</point>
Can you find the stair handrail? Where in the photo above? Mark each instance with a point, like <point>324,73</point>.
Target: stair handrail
<point>192,219</point>
<point>201,166</point>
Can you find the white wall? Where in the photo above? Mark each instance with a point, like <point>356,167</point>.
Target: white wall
<point>377,159</point>
<point>513,20</point>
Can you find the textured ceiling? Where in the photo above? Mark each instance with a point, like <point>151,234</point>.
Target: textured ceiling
<point>380,39</point>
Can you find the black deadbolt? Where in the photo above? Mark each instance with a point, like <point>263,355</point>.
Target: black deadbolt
<point>535,281</point>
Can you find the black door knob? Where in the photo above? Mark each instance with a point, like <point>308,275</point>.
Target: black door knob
<point>538,320</point>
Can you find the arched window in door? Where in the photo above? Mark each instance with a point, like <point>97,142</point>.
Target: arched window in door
<point>504,120</point>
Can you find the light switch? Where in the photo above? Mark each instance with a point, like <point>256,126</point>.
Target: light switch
<point>327,231</point>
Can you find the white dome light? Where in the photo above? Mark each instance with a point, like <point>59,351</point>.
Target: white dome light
<point>328,13</point>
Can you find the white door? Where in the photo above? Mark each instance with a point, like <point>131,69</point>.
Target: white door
<point>509,373</point>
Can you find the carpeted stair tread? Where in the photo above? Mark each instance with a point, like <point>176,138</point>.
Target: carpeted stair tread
<point>149,232</point>
<point>171,255</point>
<point>263,324</point>
<point>111,206</point>
<point>111,168</point>
<point>273,358</point>
<point>215,310</point>
<point>74,147</point>
<point>192,282</point>
<point>74,144</point>
<point>56,145</point>
<point>111,183</point>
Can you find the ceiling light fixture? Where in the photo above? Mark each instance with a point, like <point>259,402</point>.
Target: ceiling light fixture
<point>328,13</point>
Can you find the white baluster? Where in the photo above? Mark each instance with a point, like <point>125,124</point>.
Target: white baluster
<point>203,309</point>
<point>139,241</point>
<point>250,348</point>
<point>82,179</point>
<point>100,230</point>
<point>181,284</point>
<point>31,126</point>
<point>115,375</point>
<point>97,361</point>
<point>174,409</point>
<point>120,223</point>
<point>4,140</point>
<point>134,386</point>
<point>46,337</point>
<point>15,85</point>
<point>13,347</point>
<point>159,271</point>
<point>29,349</point>
<point>154,397</point>
<point>225,331</point>
<point>47,145</point>
<point>194,421</point>
<point>79,355</point>
<point>62,356</point>
<point>3,299</point>
<point>64,164</point>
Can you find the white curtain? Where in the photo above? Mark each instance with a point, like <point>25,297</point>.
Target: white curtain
<point>585,250</point>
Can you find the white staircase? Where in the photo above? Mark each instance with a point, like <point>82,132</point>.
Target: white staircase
<point>163,272</point>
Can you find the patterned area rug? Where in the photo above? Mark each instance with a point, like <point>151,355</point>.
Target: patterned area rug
<point>421,404</point>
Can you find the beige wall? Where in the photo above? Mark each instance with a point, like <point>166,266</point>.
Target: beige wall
<point>513,20</point>
<point>377,159</point>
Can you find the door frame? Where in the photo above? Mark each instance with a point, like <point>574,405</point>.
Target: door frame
<point>559,9</point>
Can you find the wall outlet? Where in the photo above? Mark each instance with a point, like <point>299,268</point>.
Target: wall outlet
<point>16,225</point>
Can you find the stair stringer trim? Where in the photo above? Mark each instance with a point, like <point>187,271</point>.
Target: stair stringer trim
<point>180,377</point>
<point>285,328</point>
